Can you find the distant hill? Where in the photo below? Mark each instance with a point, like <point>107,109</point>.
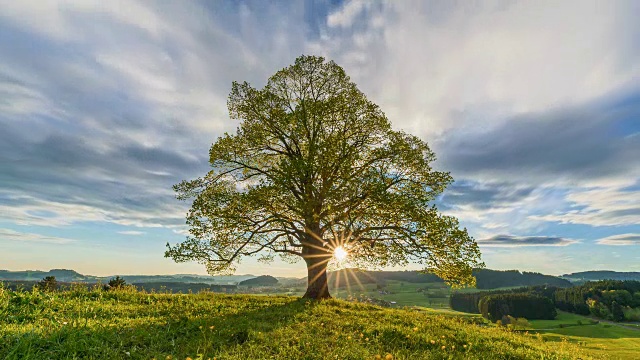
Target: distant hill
<point>64,275</point>
<point>584,276</point>
<point>485,278</point>
<point>491,279</point>
<point>263,280</point>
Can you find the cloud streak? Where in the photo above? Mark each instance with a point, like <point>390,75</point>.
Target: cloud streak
<point>515,241</point>
<point>12,235</point>
<point>620,240</point>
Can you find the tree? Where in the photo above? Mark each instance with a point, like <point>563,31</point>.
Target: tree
<point>48,283</point>
<point>117,283</point>
<point>617,314</point>
<point>315,166</point>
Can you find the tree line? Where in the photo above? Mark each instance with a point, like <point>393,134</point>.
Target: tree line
<point>607,299</point>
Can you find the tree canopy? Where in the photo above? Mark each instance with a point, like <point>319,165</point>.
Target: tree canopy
<point>313,166</point>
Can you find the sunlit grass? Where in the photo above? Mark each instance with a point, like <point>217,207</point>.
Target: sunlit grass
<point>133,325</point>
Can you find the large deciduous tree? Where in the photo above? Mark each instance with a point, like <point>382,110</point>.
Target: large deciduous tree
<point>314,166</point>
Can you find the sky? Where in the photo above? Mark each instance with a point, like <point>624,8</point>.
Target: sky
<point>534,108</point>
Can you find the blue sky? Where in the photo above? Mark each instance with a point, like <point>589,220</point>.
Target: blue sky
<point>533,106</point>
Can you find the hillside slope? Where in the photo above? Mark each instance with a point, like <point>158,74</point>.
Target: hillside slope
<point>597,275</point>
<point>133,325</point>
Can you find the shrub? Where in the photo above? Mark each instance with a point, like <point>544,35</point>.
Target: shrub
<point>49,283</point>
<point>117,283</point>
<point>616,311</point>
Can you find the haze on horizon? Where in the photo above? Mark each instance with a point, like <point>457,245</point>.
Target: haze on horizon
<point>533,106</point>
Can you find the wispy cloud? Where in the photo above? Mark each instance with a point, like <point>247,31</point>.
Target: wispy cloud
<point>132,232</point>
<point>620,240</point>
<point>513,241</point>
<point>12,235</point>
<point>106,105</point>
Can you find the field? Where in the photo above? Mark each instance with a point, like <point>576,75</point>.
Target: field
<point>611,340</point>
<point>433,295</point>
<point>134,325</point>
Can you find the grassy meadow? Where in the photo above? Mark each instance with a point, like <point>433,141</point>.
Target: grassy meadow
<point>603,339</point>
<point>126,324</point>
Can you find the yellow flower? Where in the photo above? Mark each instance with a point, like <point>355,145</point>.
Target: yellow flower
<point>433,341</point>
<point>388,357</point>
<point>415,328</point>
<point>443,347</point>
<point>349,337</point>
<point>378,357</point>
<point>169,357</point>
<point>200,327</point>
<point>366,339</point>
<point>464,346</point>
<point>188,358</point>
<point>453,346</point>
<point>211,327</point>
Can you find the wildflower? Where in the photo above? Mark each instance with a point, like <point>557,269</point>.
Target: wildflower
<point>443,347</point>
<point>169,357</point>
<point>188,358</point>
<point>366,339</point>
<point>407,336</point>
<point>453,346</point>
<point>415,328</point>
<point>378,357</point>
<point>211,327</point>
<point>200,327</point>
<point>464,346</point>
<point>433,341</point>
<point>349,337</point>
<point>361,335</point>
<point>443,336</point>
<point>388,357</point>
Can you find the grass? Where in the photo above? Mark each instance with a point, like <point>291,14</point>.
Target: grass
<point>601,339</point>
<point>433,295</point>
<point>135,325</point>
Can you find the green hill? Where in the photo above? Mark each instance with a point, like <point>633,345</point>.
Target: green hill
<point>262,280</point>
<point>134,325</point>
<point>584,276</point>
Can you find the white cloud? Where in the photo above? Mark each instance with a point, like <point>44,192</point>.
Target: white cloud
<point>8,234</point>
<point>620,240</point>
<point>434,66</point>
<point>598,207</point>
<point>132,232</point>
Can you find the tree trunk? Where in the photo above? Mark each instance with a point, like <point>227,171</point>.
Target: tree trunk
<point>317,285</point>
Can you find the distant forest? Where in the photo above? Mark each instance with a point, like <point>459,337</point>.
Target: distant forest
<point>486,279</point>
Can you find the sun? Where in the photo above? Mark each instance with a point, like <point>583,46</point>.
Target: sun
<point>340,253</point>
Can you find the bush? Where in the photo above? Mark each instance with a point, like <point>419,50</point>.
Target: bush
<point>631,314</point>
<point>616,311</point>
<point>494,307</point>
<point>117,283</point>
<point>49,283</point>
